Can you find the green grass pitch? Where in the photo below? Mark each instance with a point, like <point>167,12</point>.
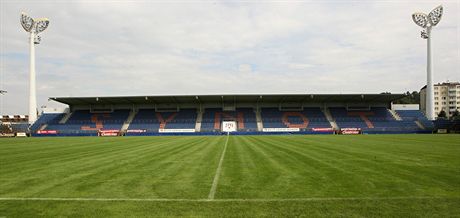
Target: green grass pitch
<point>235,176</point>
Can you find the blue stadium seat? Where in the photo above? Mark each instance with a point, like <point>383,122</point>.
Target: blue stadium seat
<point>376,119</point>
<point>45,118</point>
<point>213,117</point>
<point>415,115</point>
<point>274,118</point>
<point>151,121</point>
<point>83,121</point>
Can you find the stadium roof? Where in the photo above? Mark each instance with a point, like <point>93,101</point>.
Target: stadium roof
<point>179,99</point>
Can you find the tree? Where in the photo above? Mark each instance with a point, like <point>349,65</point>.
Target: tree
<point>410,98</point>
<point>442,114</point>
<point>455,115</point>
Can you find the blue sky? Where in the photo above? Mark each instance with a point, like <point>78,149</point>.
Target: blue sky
<point>111,48</point>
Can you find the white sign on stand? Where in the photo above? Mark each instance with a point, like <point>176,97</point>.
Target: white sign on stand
<point>229,126</point>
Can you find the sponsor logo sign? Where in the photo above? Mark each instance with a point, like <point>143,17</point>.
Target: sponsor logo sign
<point>280,130</point>
<point>443,131</point>
<point>350,131</point>
<point>322,129</point>
<point>21,134</point>
<point>136,130</point>
<point>175,130</point>
<point>45,132</point>
<point>111,132</point>
<point>228,126</point>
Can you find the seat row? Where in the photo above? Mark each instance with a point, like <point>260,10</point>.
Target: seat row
<point>149,120</point>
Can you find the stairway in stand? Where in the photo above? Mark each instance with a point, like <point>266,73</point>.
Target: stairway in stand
<point>128,121</point>
<point>329,118</point>
<point>65,117</point>
<point>395,114</point>
<point>260,125</point>
<point>199,119</point>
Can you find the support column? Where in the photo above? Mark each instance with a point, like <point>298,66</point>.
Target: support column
<point>32,93</point>
<point>429,81</point>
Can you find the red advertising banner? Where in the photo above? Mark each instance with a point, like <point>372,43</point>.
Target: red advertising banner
<point>45,132</point>
<point>350,131</point>
<point>322,129</point>
<point>111,132</point>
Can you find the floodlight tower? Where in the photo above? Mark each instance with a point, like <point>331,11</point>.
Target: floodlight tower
<point>34,27</point>
<point>427,22</point>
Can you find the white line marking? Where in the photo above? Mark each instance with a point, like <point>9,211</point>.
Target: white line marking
<point>225,200</point>
<point>212,192</point>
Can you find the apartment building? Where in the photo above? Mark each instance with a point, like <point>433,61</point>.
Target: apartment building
<point>446,98</point>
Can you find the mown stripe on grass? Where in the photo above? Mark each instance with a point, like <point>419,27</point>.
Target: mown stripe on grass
<point>212,192</point>
<point>98,170</point>
<point>228,200</point>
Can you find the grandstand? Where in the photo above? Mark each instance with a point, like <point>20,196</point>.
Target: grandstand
<point>304,119</point>
<point>452,126</point>
<point>417,116</point>
<point>151,121</point>
<point>251,114</point>
<point>14,125</point>
<point>244,117</point>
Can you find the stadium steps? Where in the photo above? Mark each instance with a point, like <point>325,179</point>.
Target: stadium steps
<point>368,122</point>
<point>329,118</point>
<point>420,125</point>
<point>260,124</point>
<point>65,118</point>
<point>199,119</point>
<point>240,119</point>
<point>128,121</point>
<point>42,127</point>
<point>395,115</point>
<point>364,117</point>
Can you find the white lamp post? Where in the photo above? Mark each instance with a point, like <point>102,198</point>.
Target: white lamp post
<point>428,22</point>
<point>34,27</point>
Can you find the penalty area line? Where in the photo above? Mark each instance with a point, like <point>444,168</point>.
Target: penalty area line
<point>224,200</point>
<point>212,192</point>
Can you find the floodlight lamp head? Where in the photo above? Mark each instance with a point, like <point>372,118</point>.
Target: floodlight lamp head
<point>420,19</point>
<point>430,20</point>
<point>36,26</point>
<point>27,22</point>
<point>41,25</point>
<point>435,15</point>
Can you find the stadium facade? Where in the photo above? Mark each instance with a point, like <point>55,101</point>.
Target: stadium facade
<point>236,114</point>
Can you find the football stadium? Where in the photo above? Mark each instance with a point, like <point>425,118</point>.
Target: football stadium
<point>232,155</point>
